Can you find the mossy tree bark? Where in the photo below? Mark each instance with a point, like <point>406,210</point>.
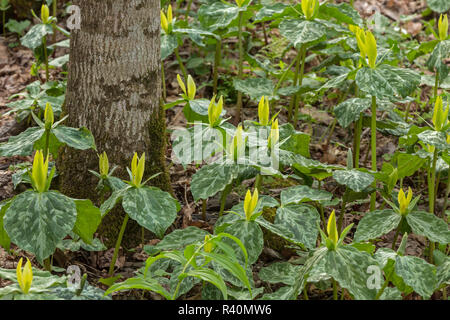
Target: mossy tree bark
<point>113,89</point>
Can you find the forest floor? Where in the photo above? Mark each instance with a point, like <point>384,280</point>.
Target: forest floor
<point>15,64</point>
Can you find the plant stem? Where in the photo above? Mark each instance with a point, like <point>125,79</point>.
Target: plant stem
<point>47,143</point>
<point>436,85</point>
<point>431,192</point>
<point>118,242</point>
<point>240,66</point>
<point>341,216</point>
<point>48,264</point>
<point>394,242</point>
<point>188,9</point>
<point>180,62</point>
<point>373,196</point>
<point>407,112</point>
<point>300,82</point>
<point>335,293</point>
<point>204,203</point>
<point>279,83</point>
<point>258,182</point>
<point>44,42</point>
<point>357,151</point>
<point>223,199</point>
<point>163,80</point>
<point>385,284</point>
<point>55,7</point>
<point>305,292</point>
<point>217,61</point>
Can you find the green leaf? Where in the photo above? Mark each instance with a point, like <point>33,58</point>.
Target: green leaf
<point>342,12</point>
<point>180,238</point>
<point>387,81</point>
<point>376,223</point>
<point>151,207</point>
<point>348,267</point>
<point>217,15</point>
<point>284,293</point>
<point>408,164</point>
<point>354,179</point>
<point>22,144</point>
<point>436,62</point>
<point>301,220</point>
<point>297,142</point>
<point>428,225</point>
<point>301,193</point>
<point>5,241</point>
<point>37,222</point>
<point>279,272</point>
<point>211,179</point>
<point>33,38</point>
<point>434,138</point>
<point>443,273</point>
<point>254,87</point>
<point>211,277</point>
<point>168,45</point>
<point>80,139</point>
<point>268,12</point>
<point>418,274</point>
<point>251,237</point>
<point>300,32</point>
<point>88,220</point>
<point>350,110</point>
<point>148,284</point>
<point>440,6</point>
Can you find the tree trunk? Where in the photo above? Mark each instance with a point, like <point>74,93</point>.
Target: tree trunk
<point>113,89</point>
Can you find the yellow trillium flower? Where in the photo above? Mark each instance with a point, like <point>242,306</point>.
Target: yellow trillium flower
<point>367,45</point>
<point>209,246</point>
<point>137,169</point>
<point>274,135</point>
<point>310,8</point>
<point>440,115</point>
<point>332,228</point>
<point>45,14</point>
<point>240,3</point>
<point>214,111</point>
<point>25,277</point>
<point>49,116</point>
<point>443,27</point>
<point>167,20</point>
<point>404,201</point>
<point>235,148</point>
<point>263,111</point>
<point>39,172</point>
<point>250,203</point>
<point>191,87</point>
<point>103,164</point>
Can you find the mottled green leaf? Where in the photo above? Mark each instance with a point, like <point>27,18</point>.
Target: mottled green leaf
<point>211,179</point>
<point>440,6</point>
<point>217,15</point>
<point>22,144</point>
<point>434,138</point>
<point>354,179</point>
<point>5,241</point>
<point>279,272</point>
<point>300,32</point>
<point>251,237</point>
<point>181,238</point>
<point>350,110</point>
<point>80,139</point>
<point>88,220</point>
<point>418,274</point>
<point>428,225</point>
<point>33,38</point>
<point>376,223</point>
<point>254,87</point>
<point>300,194</point>
<point>168,44</point>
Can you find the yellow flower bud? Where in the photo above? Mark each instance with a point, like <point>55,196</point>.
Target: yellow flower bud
<point>274,134</point>
<point>263,111</point>
<point>361,40</point>
<point>371,49</point>
<point>25,277</point>
<point>181,84</point>
<point>48,116</point>
<point>137,169</point>
<point>240,3</point>
<point>192,89</point>
<point>209,246</point>
<point>443,27</point>
<point>39,172</point>
<point>236,146</point>
<point>214,111</point>
<point>169,14</point>
<point>250,203</point>
<point>45,14</point>
<point>310,8</point>
<point>404,201</point>
<point>164,23</point>
<point>440,115</point>
<point>332,228</point>
<point>104,164</point>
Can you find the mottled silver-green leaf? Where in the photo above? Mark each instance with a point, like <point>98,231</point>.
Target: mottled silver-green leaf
<point>350,110</point>
<point>279,272</point>
<point>37,222</point>
<point>386,81</point>
<point>211,179</point>
<point>342,12</point>
<point>80,139</point>
<point>251,237</point>
<point>440,6</point>
<point>33,38</point>
<point>217,15</point>
<point>22,144</point>
<point>301,220</point>
<point>428,225</point>
<point>88,220</point>
<point>268,12</point>
<point>391,294</point>
<point>5,241</point>
<point>418,274</point>
<point>297,142</point>
<point>299,31</point>
<point>168,44</point>
<point>300,194</point>
<point>354,179</point>
<point>151,207</point>
<point>284,293</point>
<point>255,87</point>
<point>434,138</point>
<point>443,273</point>
<point>181,238</point>
<point>376,223</point>
<point>348,266</point>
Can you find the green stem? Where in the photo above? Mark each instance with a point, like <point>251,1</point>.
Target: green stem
<point>300,82</point>
<point>118,243</point>
<point>305,292</point>
<point>163,80</point>
<point>394,242</point>
<point>204,203</point>
<point>436,85</point>
<point>47,143</point>
<point>217,62</point>
<point>431,192</point>
<point>357,151</point>
<point>48,264</point>
<point>188,9</point>
<point>258,182</point>
<point>335,292</point>
<point>298,62</point>
<point>341,216</point>
<point>180,62</point>
<point>385,284</point>
<point>279,83</point>
<point>240,66</point>
<point>407,112</point>
<point>44,42</point>
<point>223,199</point>
<point>55,7</point>
<point>373,196</point>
